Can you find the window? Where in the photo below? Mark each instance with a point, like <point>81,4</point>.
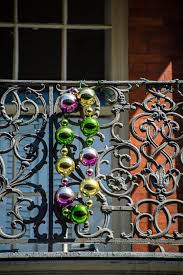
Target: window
<point>64,41</point>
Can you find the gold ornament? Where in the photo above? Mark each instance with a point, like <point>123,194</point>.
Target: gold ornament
<point>64,151</point>
<point>89,187</point>
<point>89,111</point>
<point>87,97</point>
<point>65,166</point>
<point>89,203</point>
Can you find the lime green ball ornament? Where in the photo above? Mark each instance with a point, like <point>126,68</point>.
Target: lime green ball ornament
<point>64,135</point>
<point>89,141</point>
<point>90,126</point>
<point>79,214</point>
<point>65,212</point>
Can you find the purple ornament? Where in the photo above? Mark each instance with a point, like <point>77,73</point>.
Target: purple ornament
<point>64,196</point>
<point>65,181</point>
<point>68,103</point>
<point>89,172</point>
<point>89,156</point>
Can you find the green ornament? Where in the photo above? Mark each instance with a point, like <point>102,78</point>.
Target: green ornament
<point>64,122</point>
<point>64,135</point>
<point>89,126</point>
<point>65,212</point>
<point>89,141</point>
<point>79,214</point>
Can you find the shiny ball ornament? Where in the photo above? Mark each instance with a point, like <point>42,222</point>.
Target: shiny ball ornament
<point>65,212</point>
<point>89,203</point>
<point>89,156</point>
<point>68,103</point>
<point>89,141</point>
<point>64,135</point>
<point>74,90</point>
<point>65,181</point>
<point>89,126</point>
<point>65,165</point>
<point>89,172</point>
<point>89,187</point>
<point>64,151</point>
<point>87,97</point>
<point>79,214</point>
<point>89,111</point>
<point>64,196</point>
<point>64,122</point>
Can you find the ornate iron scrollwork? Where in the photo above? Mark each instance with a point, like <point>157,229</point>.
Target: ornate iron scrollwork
<point>148,161</point>
<point>22,106</point>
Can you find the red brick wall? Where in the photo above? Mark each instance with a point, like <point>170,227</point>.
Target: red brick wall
<point>155,39</point>
<point>155,53</point>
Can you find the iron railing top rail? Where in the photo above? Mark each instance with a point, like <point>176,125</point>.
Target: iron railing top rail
<point>89,82</point>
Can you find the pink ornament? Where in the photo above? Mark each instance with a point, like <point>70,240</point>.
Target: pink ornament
<point>89,156</point>
<point>89,172</point>
<point>68,103</point>
<point>65,181</point>
<point>64,196</point>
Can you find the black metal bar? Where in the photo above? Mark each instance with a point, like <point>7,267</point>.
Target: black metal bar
<point>51,109</point>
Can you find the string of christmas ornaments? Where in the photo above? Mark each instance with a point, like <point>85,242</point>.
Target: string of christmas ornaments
<point>72,210</point>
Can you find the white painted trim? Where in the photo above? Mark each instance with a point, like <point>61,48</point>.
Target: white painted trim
<point>56,26</point>
<point>64,42</point>
<point>119,71</point>
<point>119,40</point>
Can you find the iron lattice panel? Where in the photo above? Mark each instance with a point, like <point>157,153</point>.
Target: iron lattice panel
<point>144,159</point>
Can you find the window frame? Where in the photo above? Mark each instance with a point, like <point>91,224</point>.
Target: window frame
<point>63,27</point>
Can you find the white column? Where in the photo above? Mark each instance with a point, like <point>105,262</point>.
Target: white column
<point>119,65</point>
<point>119,39</point>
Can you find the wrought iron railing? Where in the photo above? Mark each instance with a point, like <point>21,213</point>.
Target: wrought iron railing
<point>137,173</point>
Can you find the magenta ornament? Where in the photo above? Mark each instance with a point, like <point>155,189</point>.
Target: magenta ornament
<point>64,196</point>
<point>89,156</point>
<point>65,181</point>
<point>68,103</point>
<point>89,172</point>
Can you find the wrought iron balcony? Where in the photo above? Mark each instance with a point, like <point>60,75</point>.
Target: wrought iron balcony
<point>137,188</point>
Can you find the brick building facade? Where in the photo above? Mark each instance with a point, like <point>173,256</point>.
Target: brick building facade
<point>155,53</point>
<point>144,40</point>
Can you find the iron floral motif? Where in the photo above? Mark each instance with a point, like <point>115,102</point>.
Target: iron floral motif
<point>27,106</point>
